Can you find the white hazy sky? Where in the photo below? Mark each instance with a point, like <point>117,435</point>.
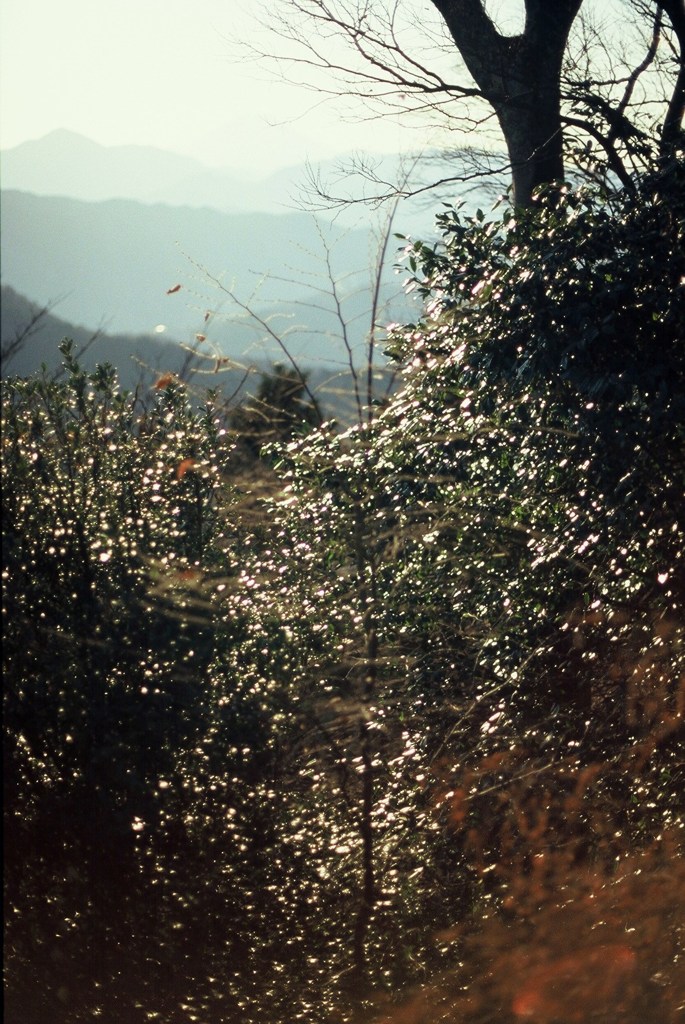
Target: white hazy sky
<point>163,73</point>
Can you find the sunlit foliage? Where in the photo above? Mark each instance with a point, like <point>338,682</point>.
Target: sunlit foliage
<point>102,538</point>
<point>387,725</point>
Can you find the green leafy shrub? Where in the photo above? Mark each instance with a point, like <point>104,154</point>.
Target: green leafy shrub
<point>401,707</point>
<point>482,587</point>
<point>110,512</point>
<point>539,442</point>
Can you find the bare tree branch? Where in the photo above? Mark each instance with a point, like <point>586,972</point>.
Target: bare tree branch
<point>552,90</point>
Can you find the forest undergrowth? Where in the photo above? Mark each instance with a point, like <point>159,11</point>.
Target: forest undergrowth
<point>375,723</point>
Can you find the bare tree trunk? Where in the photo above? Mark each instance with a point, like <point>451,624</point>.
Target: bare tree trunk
<point>533,135</point>
<point>672,130</point>
<point>520,77</point>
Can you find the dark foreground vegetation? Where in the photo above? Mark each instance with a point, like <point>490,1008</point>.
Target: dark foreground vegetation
<point>382,725</point>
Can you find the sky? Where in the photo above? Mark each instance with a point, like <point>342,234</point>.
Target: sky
<point>172,74</point>
<point>165,73</point>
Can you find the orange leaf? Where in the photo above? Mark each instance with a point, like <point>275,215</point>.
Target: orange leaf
<point>183,468</point>
<point>176,288</point>
<point>164,381</point>
<point>189,575</point>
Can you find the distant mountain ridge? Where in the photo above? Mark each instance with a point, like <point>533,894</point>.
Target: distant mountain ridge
<point>64,163</point>
<point>31,335</point>
<point>108,230</point>
<point>112,263</point>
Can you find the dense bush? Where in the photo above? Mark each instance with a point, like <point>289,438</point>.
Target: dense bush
<point>477,602</point>
<point>541,430</point>
<point>402,707</point>
<point>109,511</point>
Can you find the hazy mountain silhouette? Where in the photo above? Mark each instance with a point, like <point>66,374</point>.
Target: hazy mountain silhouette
<point>112,263</point>
<point>64,163</point>
<point>31,336</point>
<point>80,227</point>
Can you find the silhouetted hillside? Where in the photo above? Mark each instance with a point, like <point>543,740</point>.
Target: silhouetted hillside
<point>64,163</point>
<point>112,263</point>
<point>31,335</point>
